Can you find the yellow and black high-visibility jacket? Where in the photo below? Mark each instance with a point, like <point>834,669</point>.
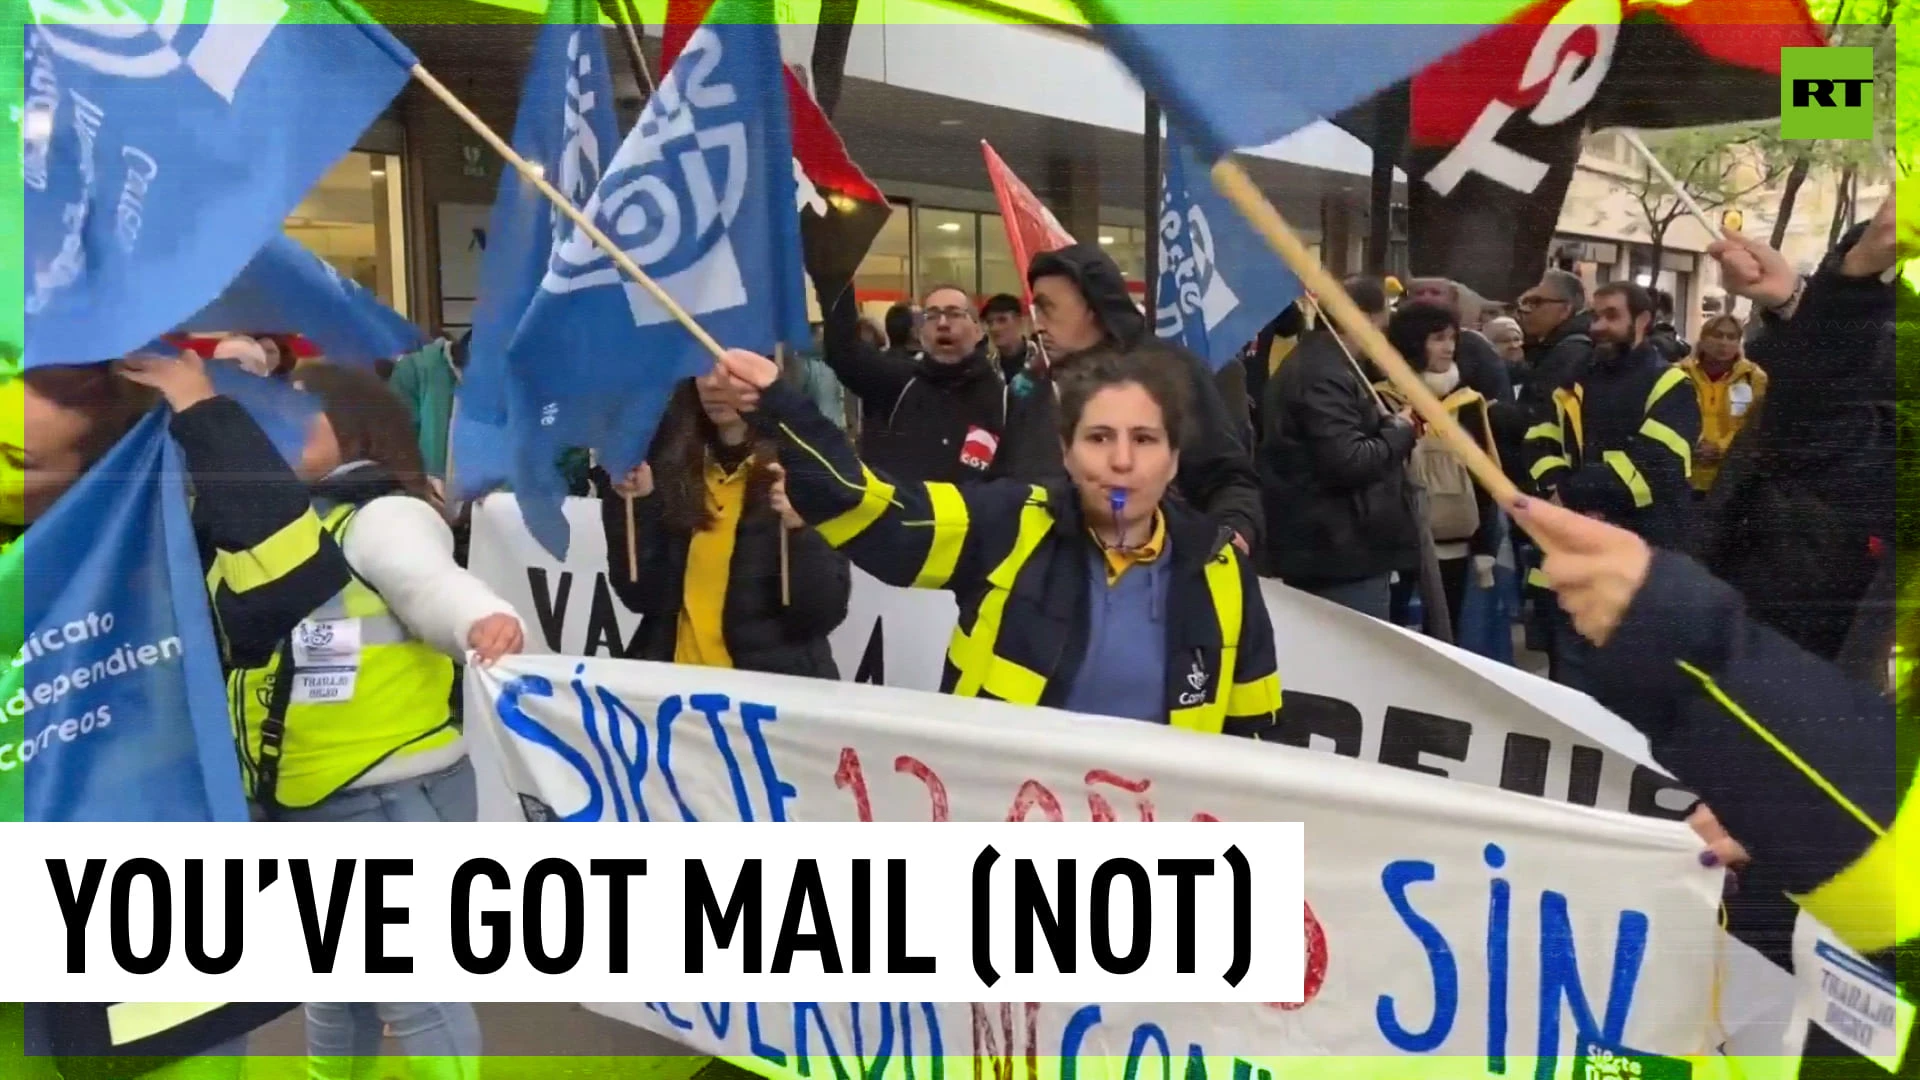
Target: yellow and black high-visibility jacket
<point>1015,556</point>
<point>1620,444</point>
<point>269,564</point>
<point>1804,763</point>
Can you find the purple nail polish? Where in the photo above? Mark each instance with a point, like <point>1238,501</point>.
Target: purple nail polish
<point>1520,502</point>
<point>1709,858</point>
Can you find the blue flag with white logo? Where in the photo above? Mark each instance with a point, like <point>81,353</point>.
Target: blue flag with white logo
<point>701,198</point>
<point>1219,284</point>
<point>115,709</point>
<point>158,155</point>
<point>287,289</point>
<point>566,125</point>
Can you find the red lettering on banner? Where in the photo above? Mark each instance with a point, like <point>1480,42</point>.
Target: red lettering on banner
<point>999,1050</point>
<point>1316,976</point>
<point>936,788</point>
<point>1102,810</point>
<point>850,775</point>
<point>1033,793</point>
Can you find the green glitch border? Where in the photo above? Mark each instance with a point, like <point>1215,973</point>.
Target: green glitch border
<point>1062,14</point>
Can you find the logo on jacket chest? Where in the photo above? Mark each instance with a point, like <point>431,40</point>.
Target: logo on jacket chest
<point>979,447</point>
<point>1196,680</point>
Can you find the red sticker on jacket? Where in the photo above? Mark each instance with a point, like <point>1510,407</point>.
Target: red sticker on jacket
<point>977,452</point>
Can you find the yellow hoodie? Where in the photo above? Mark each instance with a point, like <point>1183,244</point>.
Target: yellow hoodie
<point>1725,404</point>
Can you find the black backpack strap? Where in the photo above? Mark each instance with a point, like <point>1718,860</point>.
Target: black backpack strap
<point>273,732</point>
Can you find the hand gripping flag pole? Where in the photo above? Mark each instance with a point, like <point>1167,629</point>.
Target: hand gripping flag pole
<point>537,177</point>
<point>1240,190</point>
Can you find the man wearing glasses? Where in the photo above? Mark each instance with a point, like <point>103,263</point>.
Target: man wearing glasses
<point>1554,317</point>
<point>936,415</point>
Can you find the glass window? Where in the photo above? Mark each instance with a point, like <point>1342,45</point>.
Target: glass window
<point>886,274</point>
<point>1128,247</point>
<point>353,220</point>
<point>948,248</point>
<point>997,272</point>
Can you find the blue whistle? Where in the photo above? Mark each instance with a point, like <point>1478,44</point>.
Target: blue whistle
<point>1116,501</point>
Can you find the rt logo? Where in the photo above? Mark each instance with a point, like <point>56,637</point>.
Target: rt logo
<point>1826,93</point>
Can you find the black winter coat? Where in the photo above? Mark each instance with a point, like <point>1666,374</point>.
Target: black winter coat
<point>1334,473</point>
<point>1216,472</point>
<point>917,414</point>
<point>761,633</point>
<point>1807,496</point>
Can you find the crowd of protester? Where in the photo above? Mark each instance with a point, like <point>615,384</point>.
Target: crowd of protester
<point>1705,537</point>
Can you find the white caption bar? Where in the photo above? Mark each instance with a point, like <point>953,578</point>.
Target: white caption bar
<point>1152,912</point>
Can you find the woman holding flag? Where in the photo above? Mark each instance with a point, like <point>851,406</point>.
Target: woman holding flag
<point>727,574</point>
<point>1097,593</point>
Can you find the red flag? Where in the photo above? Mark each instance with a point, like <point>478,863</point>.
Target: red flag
<point>1496,126</point>
<point>841,211</point>
<point>683,18</point>
<point>1031,227</point>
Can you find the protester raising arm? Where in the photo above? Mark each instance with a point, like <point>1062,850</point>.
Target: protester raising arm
<point>873,376</point>
<point>1798,761</point>
<point>270,562</point>
<point>1096,594</point>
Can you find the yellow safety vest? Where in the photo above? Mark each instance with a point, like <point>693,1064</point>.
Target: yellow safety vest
<point>365,689</point>
<point>980,669</point>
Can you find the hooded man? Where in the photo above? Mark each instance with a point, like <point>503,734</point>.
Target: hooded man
<point>1080,302</point>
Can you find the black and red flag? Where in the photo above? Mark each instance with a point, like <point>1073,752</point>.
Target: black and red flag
<point>841,211</point>
<point>1494,129</point>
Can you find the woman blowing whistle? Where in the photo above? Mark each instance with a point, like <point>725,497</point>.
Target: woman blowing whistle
<point>1097,594</point>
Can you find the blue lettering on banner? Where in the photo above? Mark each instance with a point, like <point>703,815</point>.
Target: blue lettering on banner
<point>634,764</point>
<point>1560,978</point>
<point>621,748</point>
<point>756,1044</point>
<point>1559,970</point>
<point>802,1010</point>
<point>713,707</point>
<point>677,1021</point>
<point>1142,1035</point>
<point>778,789</point>
<point>514,719</point>
<point>593,736</point>
<point>1394,880</point>
<point>1499,906</point>
<point>872,1064</point>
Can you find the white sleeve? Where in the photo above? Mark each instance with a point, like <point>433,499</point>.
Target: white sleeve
<point>402,548</point>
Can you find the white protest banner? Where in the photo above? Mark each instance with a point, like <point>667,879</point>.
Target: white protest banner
<point>1352,685</point>
<point>1481,930</point>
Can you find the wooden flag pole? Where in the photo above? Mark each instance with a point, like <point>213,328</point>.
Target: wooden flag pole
<point>1246,197</point>
<point>786,571</point>
<point>1666,177</point>
<point>535,176</point>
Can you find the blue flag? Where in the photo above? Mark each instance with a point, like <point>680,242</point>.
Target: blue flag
<point>701,197</point>
<point>290,290</point>
<point>1219,284</point>
<point>1244,79</point>
<point>159,155</point>
<point>566,124</point>
<point>118,712</point>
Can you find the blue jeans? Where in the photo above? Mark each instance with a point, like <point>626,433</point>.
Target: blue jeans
<point>440,1039</point>
<point>1371,596</point>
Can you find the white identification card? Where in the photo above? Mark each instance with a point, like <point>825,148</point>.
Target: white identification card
<point>1740,398</point>
<point>326,661</point>
<point>1849,998</point>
